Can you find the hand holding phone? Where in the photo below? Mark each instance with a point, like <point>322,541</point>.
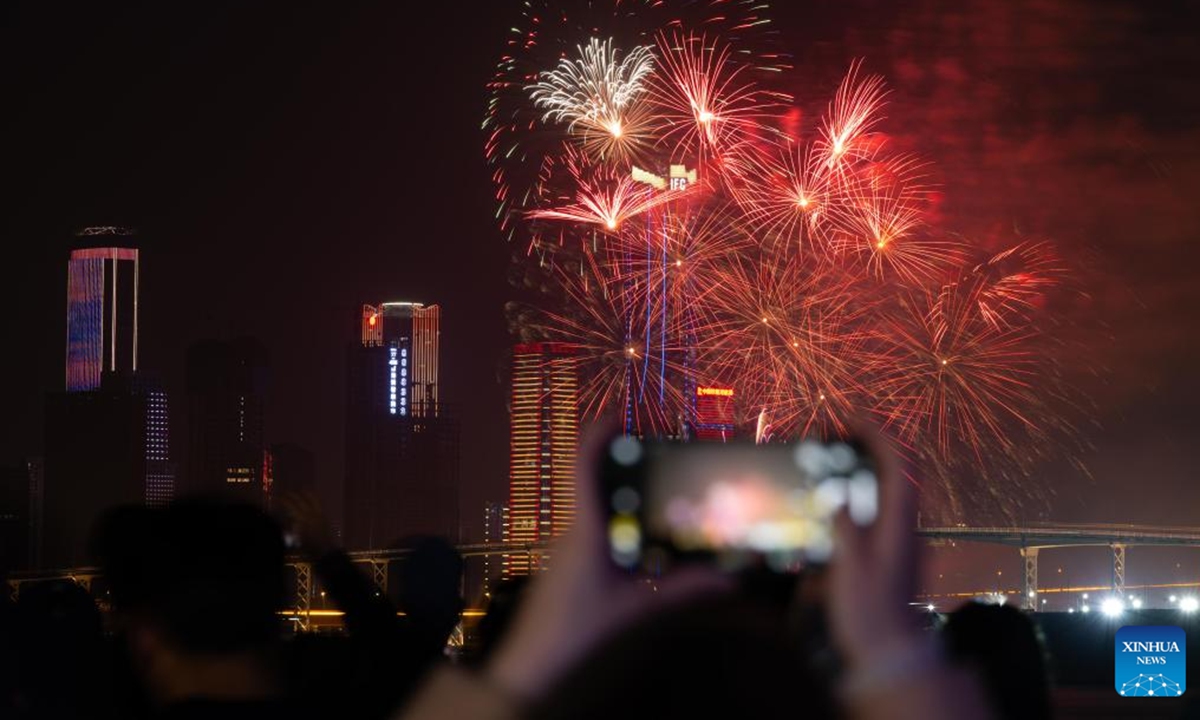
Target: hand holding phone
<point>733,503</point>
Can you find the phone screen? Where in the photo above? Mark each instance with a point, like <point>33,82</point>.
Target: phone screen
<point>737,501</point>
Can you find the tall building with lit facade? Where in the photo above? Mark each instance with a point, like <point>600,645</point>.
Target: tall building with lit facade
<point>226,391</point>
<point>402,443</point>
<point>102,307</point>
<point>160,471</point>
<point>544,434</point>
<point>408,334</point>
<point>107,436</point>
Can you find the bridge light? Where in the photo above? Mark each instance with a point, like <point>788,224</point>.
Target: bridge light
<point>1172,599</point>
<point>1085,609</point>
<point>1189,604</point>
<point>1136,602</point>
<point>1112,607</point>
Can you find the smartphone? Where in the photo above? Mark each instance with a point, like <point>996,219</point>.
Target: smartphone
<point>736,504</point>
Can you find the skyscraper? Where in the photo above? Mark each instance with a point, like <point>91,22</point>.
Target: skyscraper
<point>542,447</point>
<point>226,389</point>
<point>107,436</point>
<point>160,472</point>
<point>102,307</point>
<point>409,334</point>
<point>402,445</point>
<point>495,530</point>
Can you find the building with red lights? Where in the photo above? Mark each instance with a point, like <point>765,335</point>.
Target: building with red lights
<point>402,444</point>
<point>542,446</point>
<point>102,307</point>
<point>714,413</point>
<point>107,437</point>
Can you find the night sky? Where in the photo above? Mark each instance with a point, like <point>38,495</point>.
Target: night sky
<point>284,164</point>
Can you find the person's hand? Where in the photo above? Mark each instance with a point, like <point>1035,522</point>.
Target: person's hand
<point>583,598</point>
<point>874,569</point>
<point>303,516</point>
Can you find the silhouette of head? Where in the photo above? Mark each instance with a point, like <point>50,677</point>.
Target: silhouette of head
<point>430,587</point>
<point>1005,647</point>
<point>207,574</point>
<point>57,642</point>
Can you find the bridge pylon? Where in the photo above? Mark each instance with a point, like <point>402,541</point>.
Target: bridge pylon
<point>1118,583</point>
<point>1030,587</point>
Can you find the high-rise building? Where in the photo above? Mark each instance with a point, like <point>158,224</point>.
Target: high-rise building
<point>226,389</point>
<point>715,419</point>
<point>160,472</point>
<point>409,335</point>
<point>102,307</point>
<point>402,445</point>
<point>495,530</point>
<point>107,437</point>
<point>544,435</point>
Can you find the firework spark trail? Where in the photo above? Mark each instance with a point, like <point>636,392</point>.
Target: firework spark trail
<point>682,237</point>
<point>707,108</point>
<point>853,113</point>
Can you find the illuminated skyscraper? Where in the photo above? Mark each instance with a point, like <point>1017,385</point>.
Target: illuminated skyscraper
<point>409,333</point>
<point>102,307</point>
<point>160,473</point>
<point>544,435</point>
<point>107,438</point>
<point>402,446</point>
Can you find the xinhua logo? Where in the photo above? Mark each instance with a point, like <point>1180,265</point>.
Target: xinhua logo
<point>1151,661</point>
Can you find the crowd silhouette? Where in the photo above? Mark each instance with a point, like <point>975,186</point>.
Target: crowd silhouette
<point>193,629</point>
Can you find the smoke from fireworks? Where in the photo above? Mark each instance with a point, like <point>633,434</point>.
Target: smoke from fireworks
<point>684,239</point>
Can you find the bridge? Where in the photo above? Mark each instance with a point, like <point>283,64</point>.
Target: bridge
<point>374,563</point>
<point>1030,540</point>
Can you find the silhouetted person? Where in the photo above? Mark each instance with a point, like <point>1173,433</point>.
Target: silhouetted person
<point>58,653</point>
<point>430,592</point>
<point>195,589</point>
<point>1003,645</point>
<point>501,608</point>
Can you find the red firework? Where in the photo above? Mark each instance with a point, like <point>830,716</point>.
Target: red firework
<point>683,239</point>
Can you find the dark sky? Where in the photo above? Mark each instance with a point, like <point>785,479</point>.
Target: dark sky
<point>285,163</point>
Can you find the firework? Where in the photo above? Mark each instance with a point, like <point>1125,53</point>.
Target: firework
<point>682,239</point>
<point>595,92</point>
<point>600,195</point>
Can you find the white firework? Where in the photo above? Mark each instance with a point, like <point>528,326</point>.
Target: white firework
<point>594,90</point>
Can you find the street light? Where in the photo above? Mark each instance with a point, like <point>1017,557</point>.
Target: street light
<point>1112,607</point>
<point>1189,604</point>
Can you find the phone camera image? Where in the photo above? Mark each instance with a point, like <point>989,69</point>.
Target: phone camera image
<point>735,504</point>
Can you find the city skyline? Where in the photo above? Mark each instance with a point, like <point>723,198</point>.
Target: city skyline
<point>337,190</point>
